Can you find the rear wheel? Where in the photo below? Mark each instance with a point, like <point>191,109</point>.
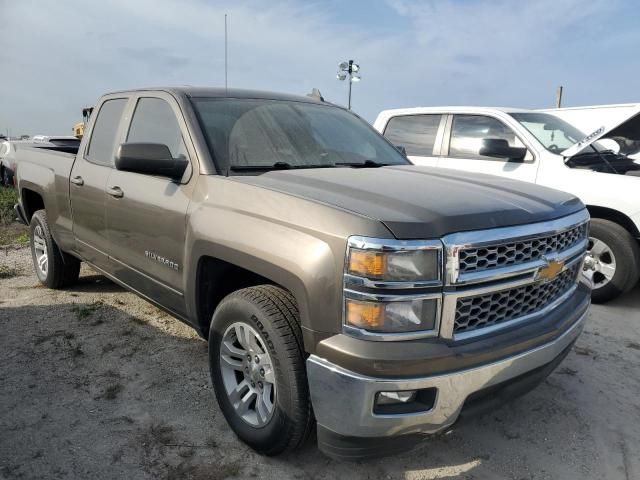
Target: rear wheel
<point>54,268</point>
<point>5,177</point>
<point>257,368</point>
<point>613,260</point>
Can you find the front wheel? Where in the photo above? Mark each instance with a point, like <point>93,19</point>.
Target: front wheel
<point>613,260</point>
<point>257,368</point>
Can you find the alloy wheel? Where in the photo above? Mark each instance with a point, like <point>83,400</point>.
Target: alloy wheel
<point>40,249</point>
<point>600,263</point>
<point>247,374</point>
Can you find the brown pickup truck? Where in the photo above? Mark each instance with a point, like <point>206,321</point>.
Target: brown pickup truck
<point>337,284</point>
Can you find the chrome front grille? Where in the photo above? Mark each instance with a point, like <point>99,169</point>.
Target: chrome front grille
<point>480,311</point>
<point>512,253</point>
<point>505,276</point>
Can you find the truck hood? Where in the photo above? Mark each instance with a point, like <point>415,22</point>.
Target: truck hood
<point>625,132</point>
<point>420,202</point>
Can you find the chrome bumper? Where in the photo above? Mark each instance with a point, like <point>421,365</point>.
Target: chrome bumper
<point>343,401</point>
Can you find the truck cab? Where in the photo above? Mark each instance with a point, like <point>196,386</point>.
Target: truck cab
<point>539,147</point>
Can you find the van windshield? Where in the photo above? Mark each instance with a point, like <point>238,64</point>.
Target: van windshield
<point>553,133</point>
<point>255,135</point>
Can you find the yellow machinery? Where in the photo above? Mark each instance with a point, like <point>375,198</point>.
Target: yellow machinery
<point>78,128</point>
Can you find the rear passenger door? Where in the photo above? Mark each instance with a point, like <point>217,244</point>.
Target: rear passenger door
<point>146,214</point>
<point>463,140</point>
<point>419,135</point>
<point>88,181</point>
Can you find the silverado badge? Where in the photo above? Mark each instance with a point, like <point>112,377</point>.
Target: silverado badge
<point>550,271</point>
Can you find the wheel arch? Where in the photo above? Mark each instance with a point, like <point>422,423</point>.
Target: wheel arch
<point>615,216</point>
<point>31,201</point>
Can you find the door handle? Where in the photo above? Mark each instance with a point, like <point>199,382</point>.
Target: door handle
<point>77,180</point>
<point>115,192</point>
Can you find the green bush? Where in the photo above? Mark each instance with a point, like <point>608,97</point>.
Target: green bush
<point>8,199</point>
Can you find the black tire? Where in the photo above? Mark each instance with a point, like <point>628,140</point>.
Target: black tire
<point>5,177</point>
<point>62,269</point>
<point>627,259</point>
<point>272,312</point>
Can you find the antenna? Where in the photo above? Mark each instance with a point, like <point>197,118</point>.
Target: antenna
<point>225,55</point>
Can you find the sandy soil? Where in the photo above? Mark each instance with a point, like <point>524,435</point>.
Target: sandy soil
<point>96,383</point>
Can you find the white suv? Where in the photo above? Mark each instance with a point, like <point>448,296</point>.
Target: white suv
<point>540,148</point>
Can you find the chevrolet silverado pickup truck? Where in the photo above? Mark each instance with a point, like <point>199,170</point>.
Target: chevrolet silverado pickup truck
<point>338,285</point>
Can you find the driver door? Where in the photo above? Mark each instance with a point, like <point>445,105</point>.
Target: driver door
<point>146,214</point>
<point>461,149</point>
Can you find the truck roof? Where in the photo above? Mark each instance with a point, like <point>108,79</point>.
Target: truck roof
<point>452,109</point>
<point>191,91</point>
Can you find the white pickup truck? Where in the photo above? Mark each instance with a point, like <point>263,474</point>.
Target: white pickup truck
<point>541,148</point>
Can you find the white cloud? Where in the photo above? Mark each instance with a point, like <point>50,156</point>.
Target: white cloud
<point>56,60</point>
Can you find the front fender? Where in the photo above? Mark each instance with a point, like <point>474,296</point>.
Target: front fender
<point>296,260</point>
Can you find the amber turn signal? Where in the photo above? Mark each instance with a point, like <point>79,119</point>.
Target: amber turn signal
<point>365,315</point>
<point>367,263</point>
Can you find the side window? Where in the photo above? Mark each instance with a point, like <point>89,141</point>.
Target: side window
<point>416,133</point>
<point>155,122</point>
<point>468,131</point>
<point>103,136</point>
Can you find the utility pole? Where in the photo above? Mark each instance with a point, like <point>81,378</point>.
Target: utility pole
<point>225,54</point>
<point>559,97</point>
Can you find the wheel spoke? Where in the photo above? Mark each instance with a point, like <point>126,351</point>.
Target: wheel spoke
<point>242,407</point>
<point>261,409</point>
<point>236,394</point>
<point>242,336</point>
<point>599,247</point>
<point>38,243</point>
<point>42,262</point>
<point>254,345</point>
<point>608,270</point>
<point>232,356</point>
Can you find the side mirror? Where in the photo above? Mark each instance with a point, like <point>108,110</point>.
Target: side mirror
<point>150,159</point>
<point>500,148</point>
<point>401,149</point>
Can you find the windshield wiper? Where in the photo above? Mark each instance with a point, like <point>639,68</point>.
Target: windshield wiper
<point>277,166</point>
<point>365,164</point>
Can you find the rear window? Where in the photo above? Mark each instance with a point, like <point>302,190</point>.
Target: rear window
<point>102,143</point>
<point>416,133</point>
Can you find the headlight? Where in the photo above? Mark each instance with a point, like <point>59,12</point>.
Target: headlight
<point>419,314</point>
<point>394,261</point>
<point>392,287</point>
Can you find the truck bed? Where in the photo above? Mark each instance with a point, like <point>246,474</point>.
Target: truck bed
<point>44,170</point>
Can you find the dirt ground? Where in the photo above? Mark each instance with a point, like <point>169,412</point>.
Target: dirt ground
<point>96,383</point>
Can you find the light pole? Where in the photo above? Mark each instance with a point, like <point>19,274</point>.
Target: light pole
<point>349,70</point>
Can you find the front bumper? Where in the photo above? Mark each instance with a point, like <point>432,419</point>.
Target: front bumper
<point>343,401</point>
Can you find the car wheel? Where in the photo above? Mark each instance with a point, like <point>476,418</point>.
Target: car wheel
<point>257,367</point>
<point>4,179</point>
<point>54,268</point>
<point>612,262</point>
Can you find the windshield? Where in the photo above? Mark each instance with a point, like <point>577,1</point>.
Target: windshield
<point>554,134</point>
<point>256,134</point>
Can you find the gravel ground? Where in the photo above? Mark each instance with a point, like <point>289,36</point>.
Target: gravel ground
<point>97,383</point>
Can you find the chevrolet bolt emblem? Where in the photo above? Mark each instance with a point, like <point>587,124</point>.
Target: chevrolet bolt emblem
<point>550,271</point>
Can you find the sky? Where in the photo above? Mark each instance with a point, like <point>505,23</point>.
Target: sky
<point>57,57</point>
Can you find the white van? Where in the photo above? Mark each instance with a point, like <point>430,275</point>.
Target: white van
<point>541,148</point>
